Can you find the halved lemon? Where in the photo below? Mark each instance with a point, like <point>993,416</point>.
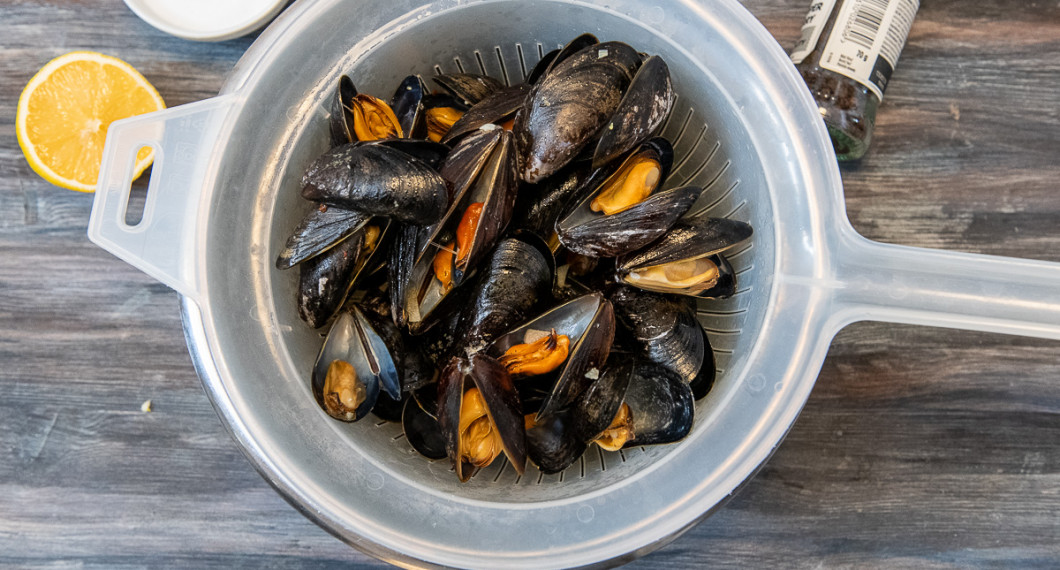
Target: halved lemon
<point>66,108</point>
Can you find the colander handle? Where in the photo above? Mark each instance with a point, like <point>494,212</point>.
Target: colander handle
<point>893,283</point>
<point>162,243</point>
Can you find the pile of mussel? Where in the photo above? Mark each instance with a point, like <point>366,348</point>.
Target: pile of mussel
<point>504,265</point>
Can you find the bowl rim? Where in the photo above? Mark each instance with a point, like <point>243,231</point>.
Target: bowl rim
<point>147,13</point>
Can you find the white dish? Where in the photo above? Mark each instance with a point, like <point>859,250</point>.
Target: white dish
<point>206,20</point>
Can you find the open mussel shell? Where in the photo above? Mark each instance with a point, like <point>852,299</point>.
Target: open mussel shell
<point>599,404</point>
<point>511,286</point>
<point>496,107</point>
<point>663,328</point>
<point>552,442</point>
<point>628,230</point>
<point>661,405</point>
<point>352,340</point>
<point>679,262</point>
<point>325,280</point>
<point>569,105</point>
<point>482,170</point>
<point>624,211</point>
<point>502,407</point>
<point>376,179</point>
<point>322,228</point>
<point>589,323</point>
<point>340,122</point>
<point>645,106</point>
<point>422,430</point>
<point>407,104</point>
<point>468,88</point>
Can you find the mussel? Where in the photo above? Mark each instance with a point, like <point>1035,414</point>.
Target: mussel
<point>581,330</point>
<point>407,104</point>
<point>468,88</point>
<point>663,329</point>
<point>325,280</point>
<point>480,415</point>
<point>376,179</point>
<point>353,365</point>
<point>323,227</point>
<point>360,117</point>
<point>661,407</point>
<point>496,108</point>
<point>569,105</point>
<point>511,286</point>
<point>681,261</point>
<point>624,212</point>
<point>481,171</point>
<point>642,111</point>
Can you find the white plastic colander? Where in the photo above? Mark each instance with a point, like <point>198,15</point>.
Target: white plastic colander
<point>224,195</point>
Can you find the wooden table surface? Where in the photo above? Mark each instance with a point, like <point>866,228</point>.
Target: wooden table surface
<point>919,447</point>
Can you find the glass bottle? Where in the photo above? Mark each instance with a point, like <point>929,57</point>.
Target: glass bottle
<point>846,55</point>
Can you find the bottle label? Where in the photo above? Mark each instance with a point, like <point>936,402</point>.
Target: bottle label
<point>812,27</point>
<point>867,38</point>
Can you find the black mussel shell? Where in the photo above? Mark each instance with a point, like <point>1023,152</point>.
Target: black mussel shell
<point>628,230</point>
<point>325,280</point>
<point>539,205</point>
<point>389,409</point>
<point>569,105</point>
<point>663,328</point>
<point>599,404</point>
<point>408,241</point>
<point>708,371</point>
<point>494,108</point>
<point>341,119</point>
<point>407,104</point>
<point>690,239</point>
<point>468,88</point>
<point>376,179</point>
<point>661,406</point>
<point>517,277</point>
<point>541,66</point>
<point>422,430</point>
<point>488,178</point>
<point>466,160</point>
<point>642,111</point>
<point>323,227</point>
<point>352,339</point>
<point>589,322</point>
<point>552,443</point>
<point>596,234</point>
<point>726,286</point>
<point>414,369</point>
<point>502,403</point>
<point>574,46</point>
<point>429,152</point>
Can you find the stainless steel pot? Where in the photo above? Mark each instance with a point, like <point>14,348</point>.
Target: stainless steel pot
<point>224,194</point>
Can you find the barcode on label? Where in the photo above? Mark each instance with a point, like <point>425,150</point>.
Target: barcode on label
<point>863,27</point>
<point>869,37</point>
<point>897,31</point>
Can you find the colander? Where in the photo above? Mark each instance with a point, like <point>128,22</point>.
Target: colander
<point>224,195</point>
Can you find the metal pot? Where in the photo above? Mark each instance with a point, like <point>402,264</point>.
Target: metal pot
<point>224,194</point>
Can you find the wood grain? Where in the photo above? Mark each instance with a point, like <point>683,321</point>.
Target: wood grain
<point>919,447</point>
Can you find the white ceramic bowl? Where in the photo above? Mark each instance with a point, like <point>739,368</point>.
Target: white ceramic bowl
<point>207,20</point>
